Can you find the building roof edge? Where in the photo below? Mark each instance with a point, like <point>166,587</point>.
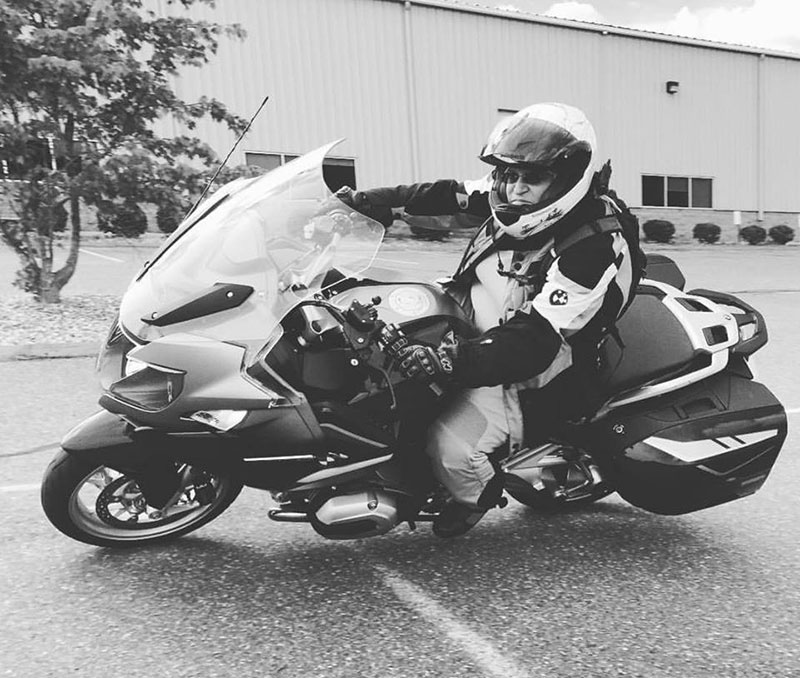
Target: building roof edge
<point>604,29</point>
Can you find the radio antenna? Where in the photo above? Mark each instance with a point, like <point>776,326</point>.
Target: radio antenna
<point>227,157</point>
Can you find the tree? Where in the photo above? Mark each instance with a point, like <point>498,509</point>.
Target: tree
<point>81,84</point>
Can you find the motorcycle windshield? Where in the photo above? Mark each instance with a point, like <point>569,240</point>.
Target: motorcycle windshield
<point>248,254</point>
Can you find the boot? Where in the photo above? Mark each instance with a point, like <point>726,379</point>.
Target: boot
<point>456,519</point>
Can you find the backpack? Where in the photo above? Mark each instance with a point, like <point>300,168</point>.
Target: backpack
<point>623,221</point>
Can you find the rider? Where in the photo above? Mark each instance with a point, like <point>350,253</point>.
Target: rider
<point>545,278</point>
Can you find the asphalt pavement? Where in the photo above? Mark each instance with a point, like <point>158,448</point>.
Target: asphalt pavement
<point>606,591</point>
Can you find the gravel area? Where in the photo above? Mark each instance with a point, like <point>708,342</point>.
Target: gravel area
<point>76,319</point>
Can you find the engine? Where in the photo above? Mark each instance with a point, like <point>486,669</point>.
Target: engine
<point>352,516</point>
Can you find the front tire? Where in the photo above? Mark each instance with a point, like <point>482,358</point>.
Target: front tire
<point>100,506</point>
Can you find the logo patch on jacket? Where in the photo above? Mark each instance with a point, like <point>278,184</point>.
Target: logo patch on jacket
<point>559,298</point>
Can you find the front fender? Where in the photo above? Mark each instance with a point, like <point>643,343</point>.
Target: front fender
<point>105,438</point>
<point>108,440</point>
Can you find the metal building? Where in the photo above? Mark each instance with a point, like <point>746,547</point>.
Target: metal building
<point>696,130</point>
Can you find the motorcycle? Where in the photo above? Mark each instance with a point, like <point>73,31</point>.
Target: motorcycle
<point>248,352</point>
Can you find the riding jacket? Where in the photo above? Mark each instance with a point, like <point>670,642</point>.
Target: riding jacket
<point>539,311</point>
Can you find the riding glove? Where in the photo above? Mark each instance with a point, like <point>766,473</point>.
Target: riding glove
<point>428,362</point>
<point>360,201</point>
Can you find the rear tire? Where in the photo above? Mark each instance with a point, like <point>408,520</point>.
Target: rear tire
<point>100,506</point>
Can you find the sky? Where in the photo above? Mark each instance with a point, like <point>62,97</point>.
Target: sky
<point>769,24</point>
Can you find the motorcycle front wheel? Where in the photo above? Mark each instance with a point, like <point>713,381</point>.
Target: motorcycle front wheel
<point>100,506</point>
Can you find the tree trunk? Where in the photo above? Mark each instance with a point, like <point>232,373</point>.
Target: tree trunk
<point>50,294</point>
<point>62,276</point>
<point>57,280</point>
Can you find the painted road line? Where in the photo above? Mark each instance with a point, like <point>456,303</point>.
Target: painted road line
<point>397,261</point>
<point>40,448</point>
<point>19,488</point>
<point>490,659</point>
<point>795,410</point>
<point>102,256</point>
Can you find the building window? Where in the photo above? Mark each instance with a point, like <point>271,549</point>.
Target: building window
<point>339,172</point>
<point>653,191</point>
<point>336,172</point>
<point>701,192</point>
<point>677,191</point>
<point>37,153</point>
<point>665,191</point>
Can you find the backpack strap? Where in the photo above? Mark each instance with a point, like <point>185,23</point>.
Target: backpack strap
<point>609,224</point>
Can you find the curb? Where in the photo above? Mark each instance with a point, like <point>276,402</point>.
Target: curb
<point>49,351</point>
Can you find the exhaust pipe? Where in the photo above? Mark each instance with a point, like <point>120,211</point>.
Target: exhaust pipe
<point>281,516</point>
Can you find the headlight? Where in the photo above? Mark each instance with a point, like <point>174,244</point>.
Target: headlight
<point>132,366</point>
<point>149,387</point>
<point>111,360</point>
<point>222,420</point>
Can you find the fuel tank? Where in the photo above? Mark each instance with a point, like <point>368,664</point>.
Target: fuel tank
<point>422,310</point>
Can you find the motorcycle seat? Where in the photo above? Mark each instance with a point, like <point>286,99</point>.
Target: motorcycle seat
<point>652,345</point>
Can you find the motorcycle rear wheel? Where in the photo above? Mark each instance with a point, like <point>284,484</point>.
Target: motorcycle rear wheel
<point>100,506</point>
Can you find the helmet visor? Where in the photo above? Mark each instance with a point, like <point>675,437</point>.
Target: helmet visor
<point>532,141</point>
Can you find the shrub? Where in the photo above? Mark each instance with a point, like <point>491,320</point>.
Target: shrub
<point>126,219</point>
<point>707,233</point>
<point>62,217</point>
<point>169,215</point>
<point>105,215</point>
<point>658,230</point>
<point>753,234</point>
<point>781,234</point>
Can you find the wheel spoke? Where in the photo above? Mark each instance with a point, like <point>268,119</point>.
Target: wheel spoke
<point>101,478</point>
<point>110,506</point>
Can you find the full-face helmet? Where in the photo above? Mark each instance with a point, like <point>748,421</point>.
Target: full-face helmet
<point>543,157</point>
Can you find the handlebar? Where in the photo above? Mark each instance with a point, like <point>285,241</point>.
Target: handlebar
<point>362,329</point>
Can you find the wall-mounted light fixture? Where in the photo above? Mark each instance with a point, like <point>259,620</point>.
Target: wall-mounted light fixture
<point>672,86</point>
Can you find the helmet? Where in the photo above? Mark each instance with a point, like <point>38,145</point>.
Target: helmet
<point>550,148</point>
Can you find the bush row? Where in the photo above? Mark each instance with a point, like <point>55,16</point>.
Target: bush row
<point>663,231</point>
<point>129,220</point>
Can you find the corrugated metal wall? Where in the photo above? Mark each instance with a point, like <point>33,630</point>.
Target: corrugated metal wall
<point>339,68</point>
<point>781,161</point>
<point>332,68</point>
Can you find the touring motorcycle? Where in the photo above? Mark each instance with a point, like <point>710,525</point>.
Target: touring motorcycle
<point>248,352</point>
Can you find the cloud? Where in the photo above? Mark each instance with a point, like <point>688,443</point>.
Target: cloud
<point>578,11</point>
<point>771,24</point>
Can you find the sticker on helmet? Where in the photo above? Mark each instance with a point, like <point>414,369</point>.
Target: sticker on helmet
<point>559,298</point>
<point>409,301</point>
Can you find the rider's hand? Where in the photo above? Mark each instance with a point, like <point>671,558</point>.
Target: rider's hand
<point>429,362</point>
<point>360,201</point>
